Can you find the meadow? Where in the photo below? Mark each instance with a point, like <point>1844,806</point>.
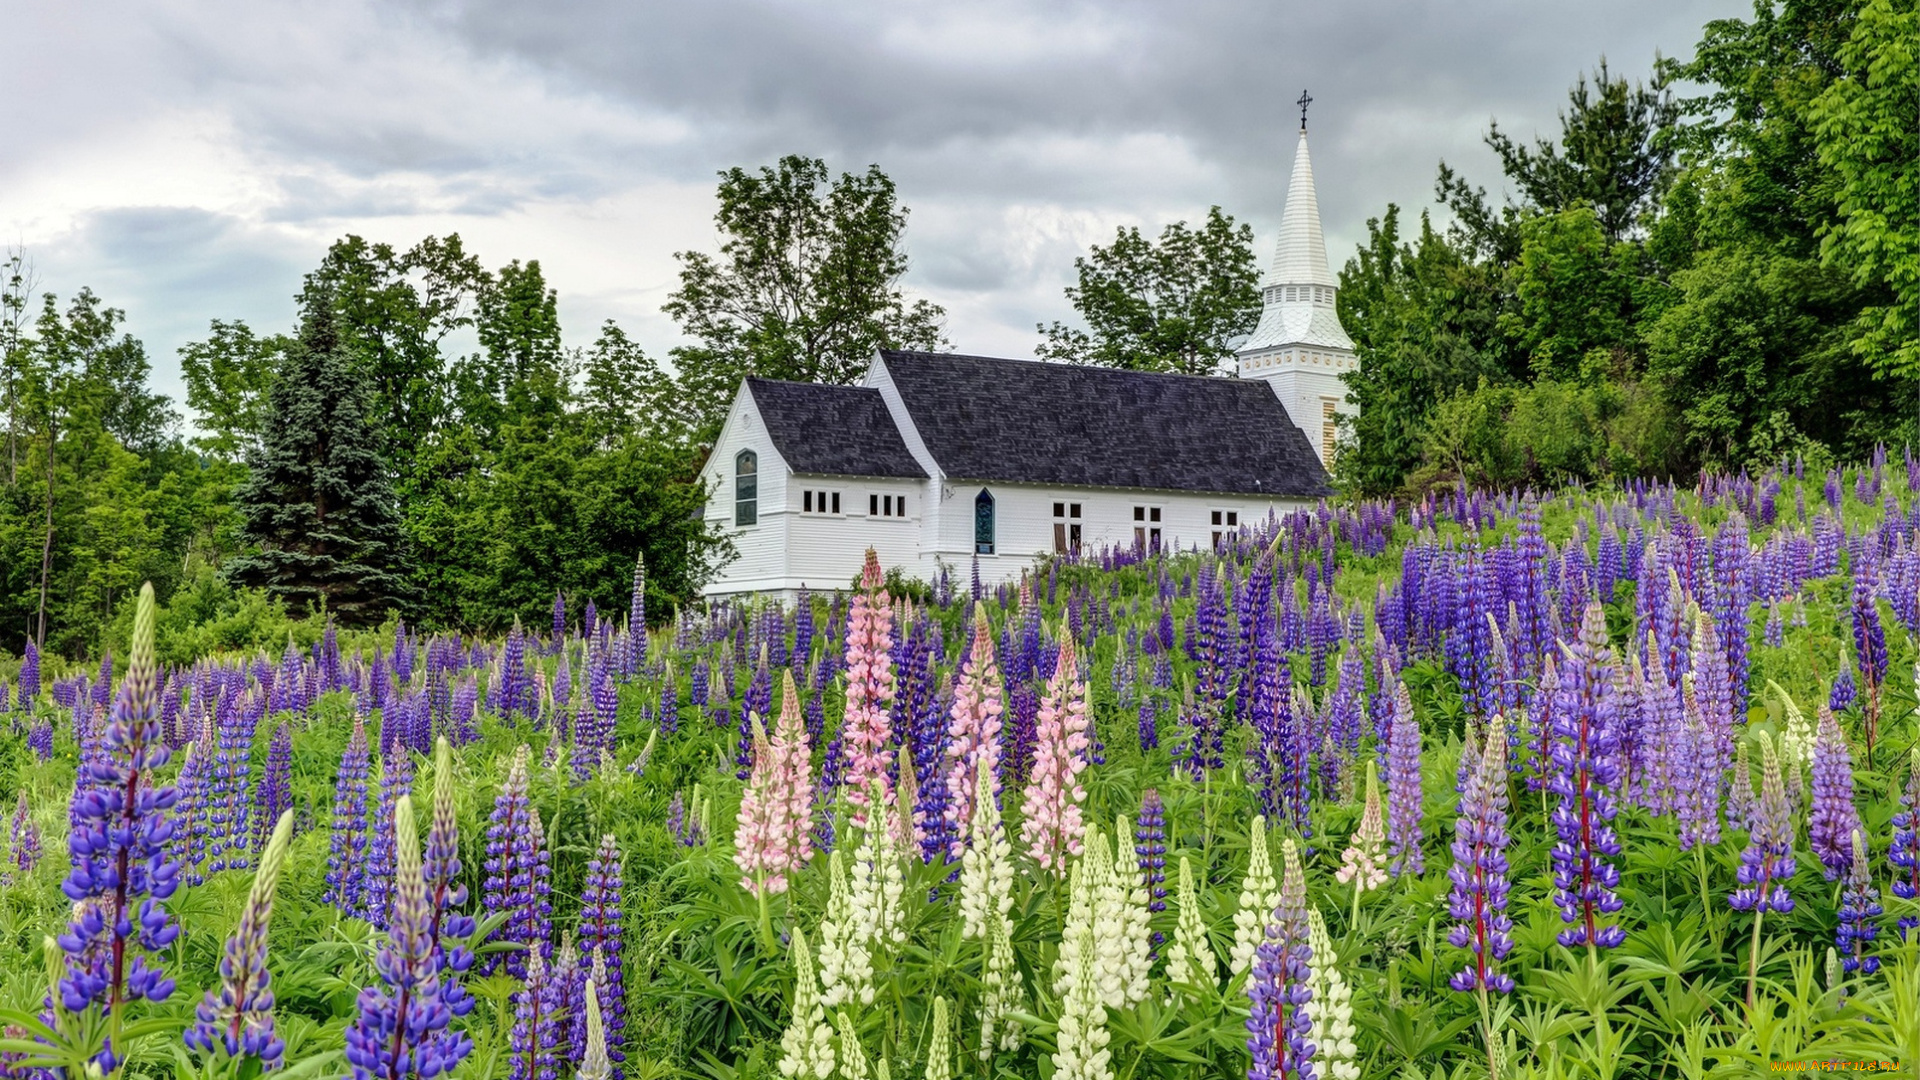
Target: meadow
<point>1608,783</point>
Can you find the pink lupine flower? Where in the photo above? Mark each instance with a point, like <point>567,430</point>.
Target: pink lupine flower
<point>870,687</point>
<point>1052,825</point>
<point>771,833</point>
<point>974,731</point>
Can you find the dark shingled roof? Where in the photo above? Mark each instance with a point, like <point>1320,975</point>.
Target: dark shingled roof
<point>1024,421</point>
<point>833,430</point>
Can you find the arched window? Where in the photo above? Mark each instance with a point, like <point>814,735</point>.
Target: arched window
<point>983,522</point>
<point>746,488</point>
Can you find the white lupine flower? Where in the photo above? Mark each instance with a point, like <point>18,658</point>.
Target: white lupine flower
<point>986,868</point>
<point>846,963</point>
<point>853,1056</point>
<point>806,1047</point>
<point>1259,896</point>
<point>1137,933</point>
<point>1079,910</point>
<point>1796,737</point>
<point>1190,960</point>
<point>939,1045</point>
<point>1081,1052</point>
<point>1110,921</point>
<point>1334,1051</point>
<point>878,879</point>
<point>1001,994</point>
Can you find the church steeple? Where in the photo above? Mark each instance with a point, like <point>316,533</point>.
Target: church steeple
<point>1299,346</point>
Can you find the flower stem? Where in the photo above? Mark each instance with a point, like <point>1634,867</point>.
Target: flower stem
<point>1753,956</point>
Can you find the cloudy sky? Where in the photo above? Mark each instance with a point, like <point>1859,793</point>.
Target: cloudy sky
<point>190,160</point>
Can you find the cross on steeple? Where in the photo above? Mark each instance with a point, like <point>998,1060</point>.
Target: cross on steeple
<point>1304,101</point>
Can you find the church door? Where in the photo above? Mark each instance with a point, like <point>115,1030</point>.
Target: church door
<point>983,523</point>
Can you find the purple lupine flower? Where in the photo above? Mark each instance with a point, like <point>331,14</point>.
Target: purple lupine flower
<point>1859,907</point>
<point>601,936</point>
<point>23,851</point>
<point>1404,806</point>
<point>530,1052</point>
<point>1586,752</point>
<point>1844,692</point>
<point>758,699</point>
<point>1905,851</point>
<point>1279,1023</point>
<point>238,1020</point>
<point>677,817</point>
<point>450,930</point>
<point>1150,848</point>
<point>1149,729</point>
<point>121,876</point>
<point>399,1026</point>
<point>189,844</point>
<point>347,850</point>
<point>396,786</point>
<point>637,615</point>
<point>1767,863</point>
<point>1732,569</point>
<point>1833,818</point>
<point>559,620</point>
<point>230,841</point>
<point>668,714</point>
<point>274,796</point>
<point>1870,652</point>
<point>1479,874</point>
<point>29,676</point>
<point>40,740</point>
<point>517,870</point>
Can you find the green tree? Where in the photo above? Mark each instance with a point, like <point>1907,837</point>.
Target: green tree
<point>1866,129</point>
<point>227,376</point>
<point>392,310</point>
<point>317,506</point>
<point>623,392</point>
<point>806,285</point>
<point>1173,305</point>
<point>1425,322</point>
<point>1609,157</point>
<point>1574,295</point>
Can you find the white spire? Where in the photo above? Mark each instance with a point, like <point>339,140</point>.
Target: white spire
<point>1299,289</point>
<point>1301,257</point>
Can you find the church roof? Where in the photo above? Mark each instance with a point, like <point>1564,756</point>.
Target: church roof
<point>1024,421</point>
<point>832,430</point>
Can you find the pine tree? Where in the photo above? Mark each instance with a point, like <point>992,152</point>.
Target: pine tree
<point>317,503</point>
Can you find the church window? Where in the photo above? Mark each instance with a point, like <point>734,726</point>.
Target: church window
<point>820,502</point>
<point>983,522</point>
<point>1329,427</point>
<point>746,488</point>
<point>1224,521</point>
<point>1146,529</point>
<point>886,505</point>
<point>1066,527</point>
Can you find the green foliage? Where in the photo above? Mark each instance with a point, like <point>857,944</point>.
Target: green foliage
<point>227,377</point>
<point>1738,264</point>
<point>1866,133</point>
<point>805,287</point>
<point>1425,320</point>
<point>1178,304</point>
<point>316,507</point>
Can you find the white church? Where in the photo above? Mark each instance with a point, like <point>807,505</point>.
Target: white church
<point>942,458</point>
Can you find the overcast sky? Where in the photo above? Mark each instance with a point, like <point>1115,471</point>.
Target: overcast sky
<point>190,160</point>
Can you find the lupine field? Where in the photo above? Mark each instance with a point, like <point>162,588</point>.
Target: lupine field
<point>1590,784</point>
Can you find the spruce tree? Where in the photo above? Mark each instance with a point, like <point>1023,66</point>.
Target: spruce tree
<point>317,504</point>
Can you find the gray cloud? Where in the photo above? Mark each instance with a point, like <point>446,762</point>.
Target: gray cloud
<point>205,153</point>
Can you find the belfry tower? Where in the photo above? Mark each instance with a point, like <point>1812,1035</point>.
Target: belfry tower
<point>1300,348</point>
